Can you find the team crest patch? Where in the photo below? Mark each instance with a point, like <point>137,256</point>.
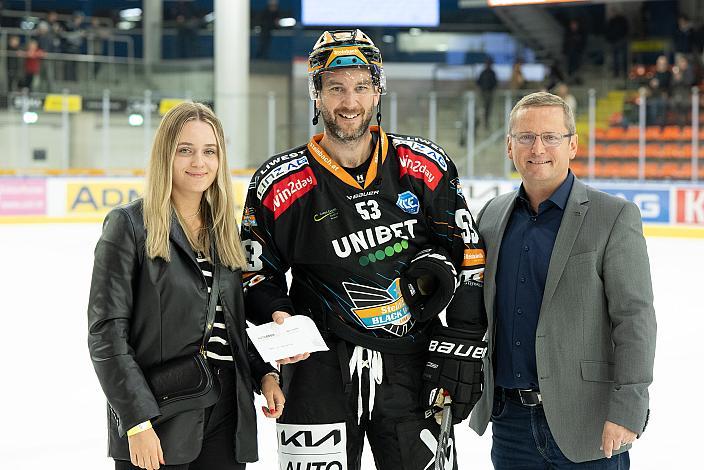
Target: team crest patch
<point>408,202</point>
<point>380,308</point>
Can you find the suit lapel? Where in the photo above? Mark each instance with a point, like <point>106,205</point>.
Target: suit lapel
<point>503,213</point>
<point>575,212</point>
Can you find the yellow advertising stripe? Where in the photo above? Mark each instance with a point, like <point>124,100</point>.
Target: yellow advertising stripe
<point>166,104</point>
<point>673,231</point>
<point>55,103</point>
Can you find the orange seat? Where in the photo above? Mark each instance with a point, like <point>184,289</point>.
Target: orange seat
<point>652,133</point>
<point>632,133</point>
<point>653,150</point>
<point>579,168</point>
<point>669,169</point>
<point>671,133</point>
<point>683,172</point>
<point>615,133</point>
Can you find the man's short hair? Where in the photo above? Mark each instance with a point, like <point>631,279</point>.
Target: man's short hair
<point>543,99</point>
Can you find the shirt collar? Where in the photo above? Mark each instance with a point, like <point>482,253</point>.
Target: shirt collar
<point>559,197</point>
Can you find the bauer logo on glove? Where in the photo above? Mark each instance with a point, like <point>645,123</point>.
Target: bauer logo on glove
<point>429,283</point>
<point>454,365</point>
<point>458,349</point>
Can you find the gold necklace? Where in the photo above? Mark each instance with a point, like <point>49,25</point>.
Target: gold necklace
<point>189,217</point>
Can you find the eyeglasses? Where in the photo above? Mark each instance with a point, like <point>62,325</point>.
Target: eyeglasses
<point>550,139</point>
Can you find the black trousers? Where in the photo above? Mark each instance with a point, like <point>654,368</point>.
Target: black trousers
<point>322,408</point>
<point>218,451</point>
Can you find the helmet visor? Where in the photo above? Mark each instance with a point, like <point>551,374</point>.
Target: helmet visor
<point>341,80</point>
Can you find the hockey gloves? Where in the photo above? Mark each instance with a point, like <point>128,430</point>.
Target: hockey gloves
<point>428,283</point>
<point>454,365</point>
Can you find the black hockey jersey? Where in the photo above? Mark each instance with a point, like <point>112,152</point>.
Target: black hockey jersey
<point>347,243</point>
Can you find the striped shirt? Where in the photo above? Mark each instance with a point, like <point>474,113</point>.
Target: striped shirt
<point>218,347</point>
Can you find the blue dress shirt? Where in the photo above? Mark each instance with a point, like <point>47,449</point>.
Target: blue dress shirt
<point>522,268</point>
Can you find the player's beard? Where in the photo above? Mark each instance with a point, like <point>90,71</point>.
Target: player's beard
<point>338,132</point>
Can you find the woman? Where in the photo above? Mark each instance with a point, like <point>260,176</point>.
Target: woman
<point>149,304</point>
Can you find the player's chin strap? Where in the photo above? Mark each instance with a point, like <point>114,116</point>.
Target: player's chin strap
<point>379,161</point>
<point>376,375</point>
<point>316,114</point>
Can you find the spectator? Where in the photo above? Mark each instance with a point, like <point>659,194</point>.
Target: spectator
<point>268,21</point>
<point>487,85</point>
<point>53,42</point>
<point>14,63</point>
<point>75,37</point>
<point>563,91</point>
<point>683,79</point>
<point>682,38</point>
<point>617,36</point>
<point>518,81</point>
<point>186,30</point>
<point>32,63</point>
<point>97,35</point>
<point>573,45</point>
<point>659,91</point>
<point>44,40</point>
<point>56,31</point>
<point>555,75</point>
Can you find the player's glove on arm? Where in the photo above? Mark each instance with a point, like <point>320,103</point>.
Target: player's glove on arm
<point>429,283</point>
<point>455,365</point>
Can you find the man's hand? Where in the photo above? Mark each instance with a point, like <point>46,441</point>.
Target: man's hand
<point>614,437</point>
<point>145,450</point>
<point>274,397</point>
<point>278,317</point>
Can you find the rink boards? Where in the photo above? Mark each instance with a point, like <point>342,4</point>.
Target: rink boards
<point>675,209</point>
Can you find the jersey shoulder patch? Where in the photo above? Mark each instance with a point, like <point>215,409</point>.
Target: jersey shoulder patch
<point>420,158</point>
<point>278,167</point>
<point>283,179</point>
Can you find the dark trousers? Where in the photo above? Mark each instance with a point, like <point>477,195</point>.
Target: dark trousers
<point>619,55</point>
<point>218,451</point>
<point>320,391</point>
<point>521,440</point>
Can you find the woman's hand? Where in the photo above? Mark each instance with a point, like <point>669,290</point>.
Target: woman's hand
<point>145,450</point>
<point>278,317</point>
<point>274,397</point>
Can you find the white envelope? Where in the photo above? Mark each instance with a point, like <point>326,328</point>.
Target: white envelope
<point>297,335</point>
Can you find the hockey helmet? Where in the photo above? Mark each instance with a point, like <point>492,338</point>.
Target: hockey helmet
<point>344,48</point>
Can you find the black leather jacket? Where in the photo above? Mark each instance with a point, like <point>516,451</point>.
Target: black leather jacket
<point>143,312</point>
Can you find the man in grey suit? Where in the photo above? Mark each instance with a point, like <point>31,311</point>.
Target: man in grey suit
<point>568,295</point>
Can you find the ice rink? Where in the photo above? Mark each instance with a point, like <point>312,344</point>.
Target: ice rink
<point>53,411</point>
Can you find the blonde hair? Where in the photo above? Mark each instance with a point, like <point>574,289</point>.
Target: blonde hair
<point>543,99</point>
<point>217,203</point>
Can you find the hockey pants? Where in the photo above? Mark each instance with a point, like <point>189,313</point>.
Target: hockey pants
<point>323,427</point>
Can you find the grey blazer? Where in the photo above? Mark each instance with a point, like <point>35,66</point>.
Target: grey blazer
<point>595,340</point>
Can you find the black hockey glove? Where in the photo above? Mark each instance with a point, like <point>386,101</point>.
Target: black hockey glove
<point>429,283</point>
<point>455,365</point>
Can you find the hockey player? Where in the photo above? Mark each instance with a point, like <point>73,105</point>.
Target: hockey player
<point>379,240</point>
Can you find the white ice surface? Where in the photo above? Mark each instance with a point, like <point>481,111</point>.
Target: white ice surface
<point>52,411</point>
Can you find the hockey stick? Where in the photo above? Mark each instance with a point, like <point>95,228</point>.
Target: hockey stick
<point>444,436</point>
